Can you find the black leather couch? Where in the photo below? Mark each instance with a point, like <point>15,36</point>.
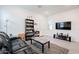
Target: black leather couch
<point>12,45</point>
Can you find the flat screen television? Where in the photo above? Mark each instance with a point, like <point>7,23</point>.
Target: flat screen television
<point>63,25</point>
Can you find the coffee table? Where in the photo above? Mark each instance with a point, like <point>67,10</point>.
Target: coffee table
<point>42,41</point>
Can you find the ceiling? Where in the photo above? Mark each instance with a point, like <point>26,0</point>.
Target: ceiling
<point>49,9</point>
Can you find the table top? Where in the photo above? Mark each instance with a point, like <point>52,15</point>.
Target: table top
<point>41,39</point>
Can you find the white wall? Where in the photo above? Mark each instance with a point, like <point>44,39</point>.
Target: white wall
<point>71,15</point>
<point>16,20</point>
<point>0,18</point>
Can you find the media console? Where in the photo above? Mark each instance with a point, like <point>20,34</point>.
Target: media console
<point>62,37</point>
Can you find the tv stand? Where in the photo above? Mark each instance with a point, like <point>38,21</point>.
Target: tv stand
<point>62,37</point>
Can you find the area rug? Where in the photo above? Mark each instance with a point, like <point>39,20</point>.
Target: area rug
<point>54,49</point>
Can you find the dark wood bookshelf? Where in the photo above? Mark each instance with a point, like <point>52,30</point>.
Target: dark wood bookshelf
<point>29,29</point>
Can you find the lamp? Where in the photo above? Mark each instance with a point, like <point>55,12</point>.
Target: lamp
<point>6,25</point>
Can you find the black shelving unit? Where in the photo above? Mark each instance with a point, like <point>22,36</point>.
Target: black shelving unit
<point>29,29</point>
<point>37,33</point>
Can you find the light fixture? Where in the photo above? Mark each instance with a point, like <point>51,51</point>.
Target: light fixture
<point>39,6</point>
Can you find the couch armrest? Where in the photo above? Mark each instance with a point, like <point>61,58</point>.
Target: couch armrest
<point>13,38</point>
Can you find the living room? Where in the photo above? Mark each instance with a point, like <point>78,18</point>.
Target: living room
<point>12,22</point>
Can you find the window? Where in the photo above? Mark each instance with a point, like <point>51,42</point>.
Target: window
<point>50,23</point>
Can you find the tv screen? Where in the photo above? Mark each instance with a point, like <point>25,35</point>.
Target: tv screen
<point>63,25</point>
